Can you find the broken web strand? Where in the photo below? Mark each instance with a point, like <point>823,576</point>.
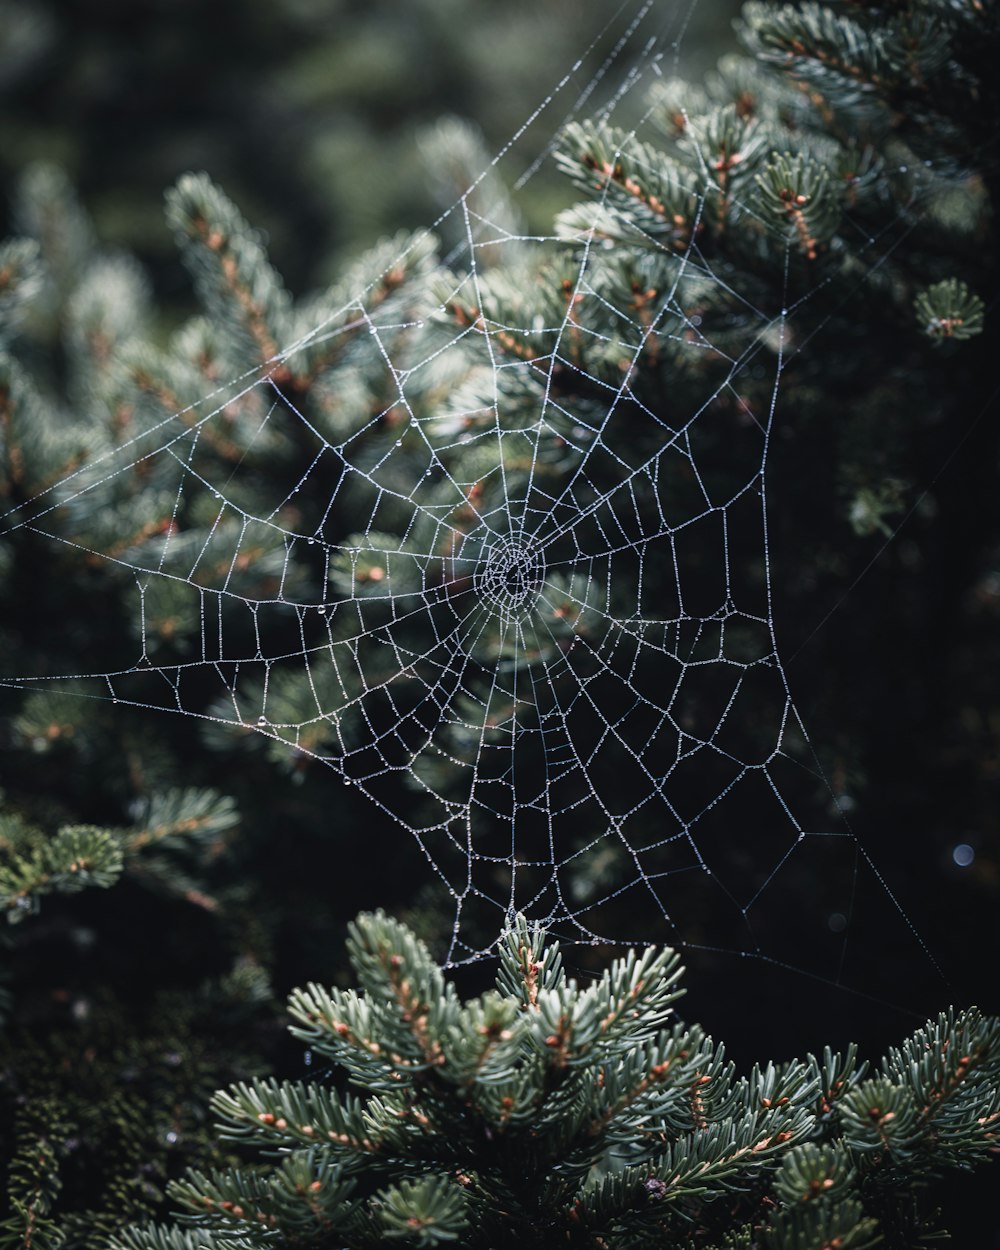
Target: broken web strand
<point>474,619</point>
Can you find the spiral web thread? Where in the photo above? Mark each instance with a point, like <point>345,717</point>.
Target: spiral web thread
<point>459,623</point>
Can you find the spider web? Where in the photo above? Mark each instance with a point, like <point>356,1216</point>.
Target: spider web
<point>520,605</point>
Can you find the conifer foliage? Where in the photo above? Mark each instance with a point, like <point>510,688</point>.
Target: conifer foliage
<point>34,863</point>
<point>845,170</point>
<point>548,1113</point>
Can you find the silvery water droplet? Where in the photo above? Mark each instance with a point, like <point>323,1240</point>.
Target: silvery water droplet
<point>261,720</point>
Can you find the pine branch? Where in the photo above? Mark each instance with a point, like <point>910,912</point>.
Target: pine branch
<point>548,1114</point>
<point>77,857</point>
<point>230,269</point>
<point>21,277</point>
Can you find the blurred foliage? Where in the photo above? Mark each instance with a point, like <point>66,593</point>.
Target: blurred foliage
<point>308,113</point>
<point>104,1101</point>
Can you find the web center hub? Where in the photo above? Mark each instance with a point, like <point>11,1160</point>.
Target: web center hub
<point>510,576</point>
